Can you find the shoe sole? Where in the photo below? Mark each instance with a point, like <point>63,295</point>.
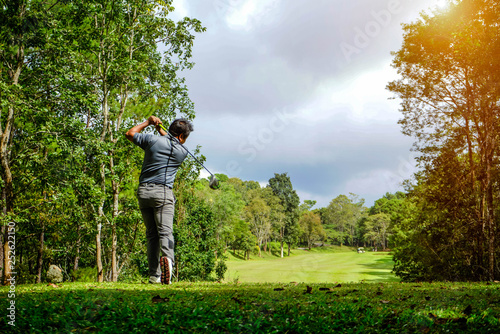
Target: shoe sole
<point>165,270</point>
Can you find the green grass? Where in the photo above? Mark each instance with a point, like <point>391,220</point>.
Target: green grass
<point>254,308</point>
<point>322,264</point>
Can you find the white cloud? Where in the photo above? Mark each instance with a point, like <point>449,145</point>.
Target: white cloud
<point>245,15</point>
<point>363,94</point>
<point>273,93</point>
<point>376,182</point>
<point>181,10</point>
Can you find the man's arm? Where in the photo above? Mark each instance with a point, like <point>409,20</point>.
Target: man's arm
<point>153,120</point>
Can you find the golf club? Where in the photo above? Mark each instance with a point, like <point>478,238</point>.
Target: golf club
<point>214,183</point>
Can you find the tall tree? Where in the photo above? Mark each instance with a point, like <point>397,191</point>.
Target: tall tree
<point>38,87</point>
<point>226,205</point>
<point>377,229</point>
<point>283,189</point>
<point>258,215</point>
<point>341,218</point>
<point>312,230</point>
<point>450,70</point>
<point>124,59</point>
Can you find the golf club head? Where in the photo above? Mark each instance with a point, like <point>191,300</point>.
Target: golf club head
<point>214,183</point>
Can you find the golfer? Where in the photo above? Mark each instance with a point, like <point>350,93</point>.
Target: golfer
<point>162,157</point>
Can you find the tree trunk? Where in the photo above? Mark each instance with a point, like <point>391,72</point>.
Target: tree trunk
<point>77,255</point>
<point>282,232</point>
<point>100,274</point>
<point>8,188</point>
<point>6,265</point>
<point>114,237</point>
<point>39,262</point>
<point>490,221</point>
<point>101,217</point>
<point>14,72</point>
<point>2,234</point>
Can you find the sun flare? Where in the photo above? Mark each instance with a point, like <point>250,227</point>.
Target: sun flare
<point>441,3</point>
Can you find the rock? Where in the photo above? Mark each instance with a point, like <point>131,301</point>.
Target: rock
<point>54,274</point>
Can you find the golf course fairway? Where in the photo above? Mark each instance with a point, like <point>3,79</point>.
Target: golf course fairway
<point>322,264</point>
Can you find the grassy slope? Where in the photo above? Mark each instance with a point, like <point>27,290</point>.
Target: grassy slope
<point>254,308</point>
<point>332,264</point>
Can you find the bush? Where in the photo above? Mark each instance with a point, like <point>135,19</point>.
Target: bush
<point>139,260</point>
<point>88,274</point>
<point>220,270</point>
<point>274,246</point>
<point>255,250</point>
<point>196,242</point>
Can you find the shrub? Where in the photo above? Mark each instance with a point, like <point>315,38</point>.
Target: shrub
<point>88,274</point>
<point>220,270</point>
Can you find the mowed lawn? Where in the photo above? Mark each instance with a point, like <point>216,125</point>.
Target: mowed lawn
<point>322,264</point>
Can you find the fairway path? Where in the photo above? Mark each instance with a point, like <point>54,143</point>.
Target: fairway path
<point>314,267</point>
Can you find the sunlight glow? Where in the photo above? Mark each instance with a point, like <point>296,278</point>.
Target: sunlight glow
<point>441,4</point>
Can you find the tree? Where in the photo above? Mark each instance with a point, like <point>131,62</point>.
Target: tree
<point>124,61</point>
<point>450,96</point>
<point>377,229</point>
<point>39,92</point>
<point>196,242</point>
<point>72,77</point>
<point>283,189</point>
<point>311,227</point>
<point>341,218</point>
<point>226,204</point>
<point>244,240</point>
<point>258,215</point>
<point>380,220</point>
<point>306,206</point>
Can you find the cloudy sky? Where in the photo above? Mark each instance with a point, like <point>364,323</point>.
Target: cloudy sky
<point>298,87</point>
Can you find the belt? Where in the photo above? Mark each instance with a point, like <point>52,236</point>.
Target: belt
<point>156,184</point>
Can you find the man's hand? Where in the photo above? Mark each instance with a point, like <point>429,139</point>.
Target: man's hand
<point>153,120</point>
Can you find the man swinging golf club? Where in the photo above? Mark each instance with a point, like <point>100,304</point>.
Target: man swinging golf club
<point>162,157</point>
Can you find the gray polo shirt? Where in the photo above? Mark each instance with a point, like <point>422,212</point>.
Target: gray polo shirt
<point>159,151</point>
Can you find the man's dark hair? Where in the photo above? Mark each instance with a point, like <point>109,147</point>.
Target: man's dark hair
<point>180,126</point>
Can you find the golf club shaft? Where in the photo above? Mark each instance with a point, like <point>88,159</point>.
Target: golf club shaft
<point>184,147</point>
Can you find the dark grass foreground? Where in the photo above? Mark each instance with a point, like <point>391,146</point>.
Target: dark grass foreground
<point>254,308</point>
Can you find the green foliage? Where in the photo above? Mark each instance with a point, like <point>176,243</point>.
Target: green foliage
<point>250,308</point>
<point>244,240</point>
<point>281,186</point>
<point>341,219</point>
<point>196,243</point>
<point>68,91</point>
<point>220,270</point>
<point>226,204</point>
<point>87,274</point>
<point>449,71</point>
<point>312,230</point>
